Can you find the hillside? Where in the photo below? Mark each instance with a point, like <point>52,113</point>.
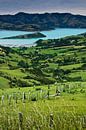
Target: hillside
<point>59,60</point>
<point>46,21</point>
<point>44,87</point>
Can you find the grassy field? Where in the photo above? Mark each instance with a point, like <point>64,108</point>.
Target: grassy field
<point>27,64</point>
<point>32,109</point>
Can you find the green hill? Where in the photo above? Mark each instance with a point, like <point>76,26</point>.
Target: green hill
<point>58,60</point>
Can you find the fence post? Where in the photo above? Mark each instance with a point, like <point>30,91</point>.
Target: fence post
<point>84,122</point>
<point>48,93</point>
<point>24,97</point>
<point>9,99</point>
<point>2,100</point>
<point>28,95</point>
<point>51,120</point>
<point>20,121</point>
<point>56,91</point>
<point>69,88</point>
<point>40,93</point>
<point>16,99</point>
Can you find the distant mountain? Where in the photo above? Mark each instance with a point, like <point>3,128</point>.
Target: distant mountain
<point>46,21</point>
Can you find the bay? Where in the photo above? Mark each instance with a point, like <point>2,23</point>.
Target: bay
<point>52,34</point>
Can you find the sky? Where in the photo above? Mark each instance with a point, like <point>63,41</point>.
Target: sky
<point>41,6</point>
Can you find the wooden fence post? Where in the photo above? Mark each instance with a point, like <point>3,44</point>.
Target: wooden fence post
<point>20,121</point>
<point>16,99</point>
<point>51,120</point>
<point>28,95</point>
<point>9,99</point>
<point>2,100</point>
<point>84,122</point>
<point>40,93</point>
<point>48,93</point>
<point>56,90</point>
<point>24,97</point>
<point>69,88</point>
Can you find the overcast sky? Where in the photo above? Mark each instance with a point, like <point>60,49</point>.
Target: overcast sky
<point>40,6</point>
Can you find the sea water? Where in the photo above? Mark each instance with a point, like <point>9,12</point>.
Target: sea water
<point>52,34</point>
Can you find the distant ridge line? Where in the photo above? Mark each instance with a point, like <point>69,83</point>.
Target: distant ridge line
<point>45,21</point>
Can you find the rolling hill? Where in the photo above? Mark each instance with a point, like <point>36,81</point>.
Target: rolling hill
<point>58,60</point>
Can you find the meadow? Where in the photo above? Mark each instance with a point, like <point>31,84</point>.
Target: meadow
<point>43,108</point>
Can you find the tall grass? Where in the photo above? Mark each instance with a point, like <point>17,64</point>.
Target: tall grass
<point>64,112</point>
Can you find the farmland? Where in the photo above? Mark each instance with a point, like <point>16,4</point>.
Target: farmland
<point>36,106</point>
<point>44,87</point>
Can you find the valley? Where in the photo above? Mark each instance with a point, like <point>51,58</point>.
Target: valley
<point>44,87</point>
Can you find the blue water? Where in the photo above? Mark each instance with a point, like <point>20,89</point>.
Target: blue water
<point>53,34</point>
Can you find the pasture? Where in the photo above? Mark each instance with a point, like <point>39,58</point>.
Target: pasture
<point>61,106</point>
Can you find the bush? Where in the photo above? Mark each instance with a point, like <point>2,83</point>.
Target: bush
<point>33,99</point>
<point>23,64</point>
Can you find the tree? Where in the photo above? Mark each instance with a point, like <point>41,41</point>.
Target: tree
<point>23,64</point>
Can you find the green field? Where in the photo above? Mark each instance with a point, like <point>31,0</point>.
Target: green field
<point>41,109</point>
<point>44,87</point>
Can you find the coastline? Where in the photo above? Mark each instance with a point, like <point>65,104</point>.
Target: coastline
<point>16,45</point>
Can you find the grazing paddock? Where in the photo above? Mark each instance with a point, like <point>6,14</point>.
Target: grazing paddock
<point>56,107</point>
